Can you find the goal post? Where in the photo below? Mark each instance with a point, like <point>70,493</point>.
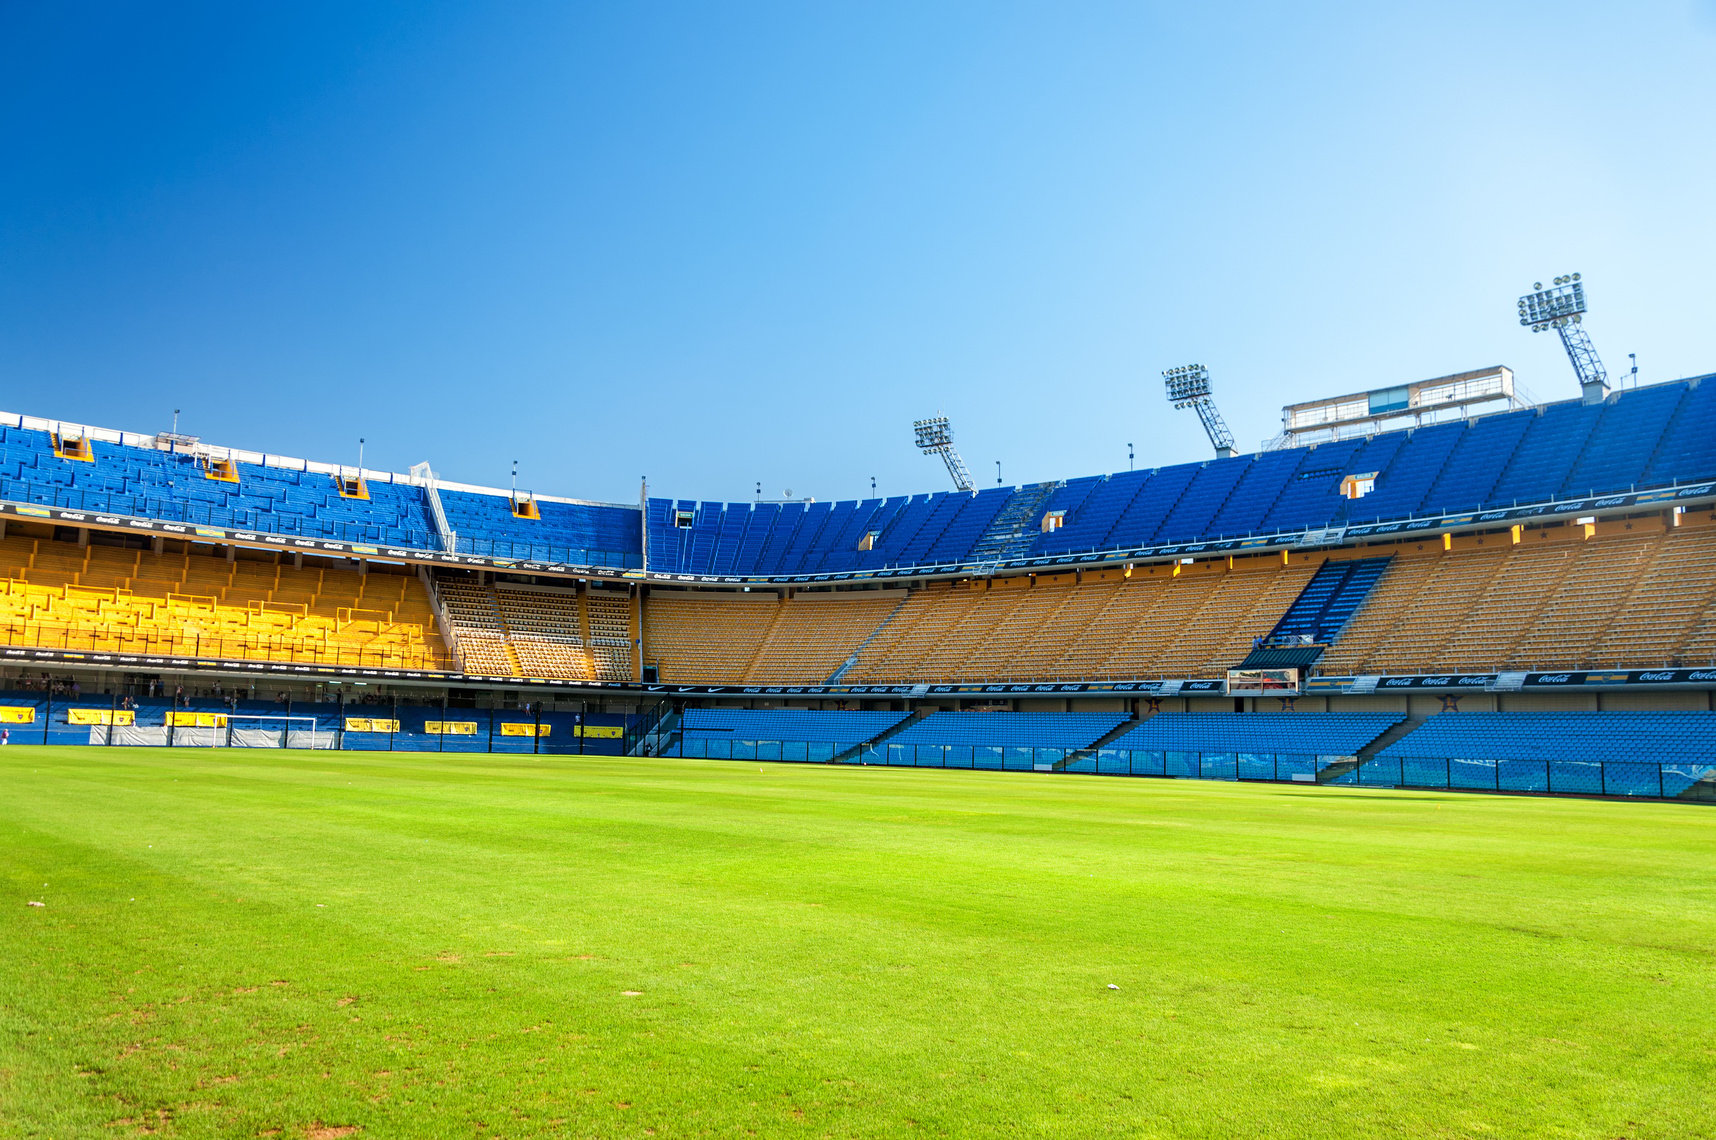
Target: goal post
<point>267,730</point>
<point>250,730</point>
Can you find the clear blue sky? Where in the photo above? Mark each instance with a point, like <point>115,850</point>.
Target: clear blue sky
<point>723,243</point>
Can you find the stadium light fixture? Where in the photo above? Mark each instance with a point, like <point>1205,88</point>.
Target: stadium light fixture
<point>1562,307</point>
<point>1188,386</point>
<point>935,437</point>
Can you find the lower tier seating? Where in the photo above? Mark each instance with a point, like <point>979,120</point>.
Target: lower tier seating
<point>64,596</point>
<point>1340,734</point>
<point>1589,736</point>
<point>841,728</point>
<point>1037,730</point>
<point>1670,754</point>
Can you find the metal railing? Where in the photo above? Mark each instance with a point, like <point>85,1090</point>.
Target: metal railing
<point>1676,779</point>
<point>52,635</point>
<point>195,513</point>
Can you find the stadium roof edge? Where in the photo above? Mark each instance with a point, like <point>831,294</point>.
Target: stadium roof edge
<point>162,442</point>
<point>292,463</point>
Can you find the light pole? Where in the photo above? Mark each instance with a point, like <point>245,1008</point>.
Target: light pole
<point>935,437</point>
<point>1189,387</point>
<point>1562,307</point>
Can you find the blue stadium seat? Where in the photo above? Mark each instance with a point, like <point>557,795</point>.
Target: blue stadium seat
<point>1326,734</point>
<point>1593,753</point>
<point>1040,730</point>
<point>1647,437</point>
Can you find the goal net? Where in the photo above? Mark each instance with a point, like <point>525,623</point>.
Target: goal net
<point>229,730</point>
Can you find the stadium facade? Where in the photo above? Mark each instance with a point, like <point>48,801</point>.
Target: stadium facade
<point>1520,600</point>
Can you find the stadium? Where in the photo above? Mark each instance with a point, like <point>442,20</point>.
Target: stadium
<point>1429,585</point>
<point>1495,598</point>
<point>1336,759</point>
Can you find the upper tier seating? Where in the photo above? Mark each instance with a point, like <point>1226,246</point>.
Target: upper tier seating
<point>63,596</point>
<point>584,534</point>
<point>1651,436</point>
<point>1307,733</point>
<point>150,483</point>
<point>153,484</point>
<point>1654,436</point>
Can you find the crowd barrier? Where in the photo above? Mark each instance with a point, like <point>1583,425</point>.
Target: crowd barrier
<point>209,647</point>
<point>1643,779</point>
<point>29,717</point>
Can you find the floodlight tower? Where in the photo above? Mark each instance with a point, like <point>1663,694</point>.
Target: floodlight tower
<point>1561,307</point>
<point>1189,387</point>
<point>935,437</point>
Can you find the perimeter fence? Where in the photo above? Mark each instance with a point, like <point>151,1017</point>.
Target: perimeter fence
<point>1680,779</point>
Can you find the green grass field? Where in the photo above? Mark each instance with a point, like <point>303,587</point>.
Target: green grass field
<point>295,944</point>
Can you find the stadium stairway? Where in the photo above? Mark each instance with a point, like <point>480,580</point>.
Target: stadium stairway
<point>1328,601</point>
<point>663,736</point>
<point>1703,791</point>
<point>852,660</point>
<point>853,754</point>
<point>1112,734</point>
<point>1009,534</point>
<point>1363,756</point>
